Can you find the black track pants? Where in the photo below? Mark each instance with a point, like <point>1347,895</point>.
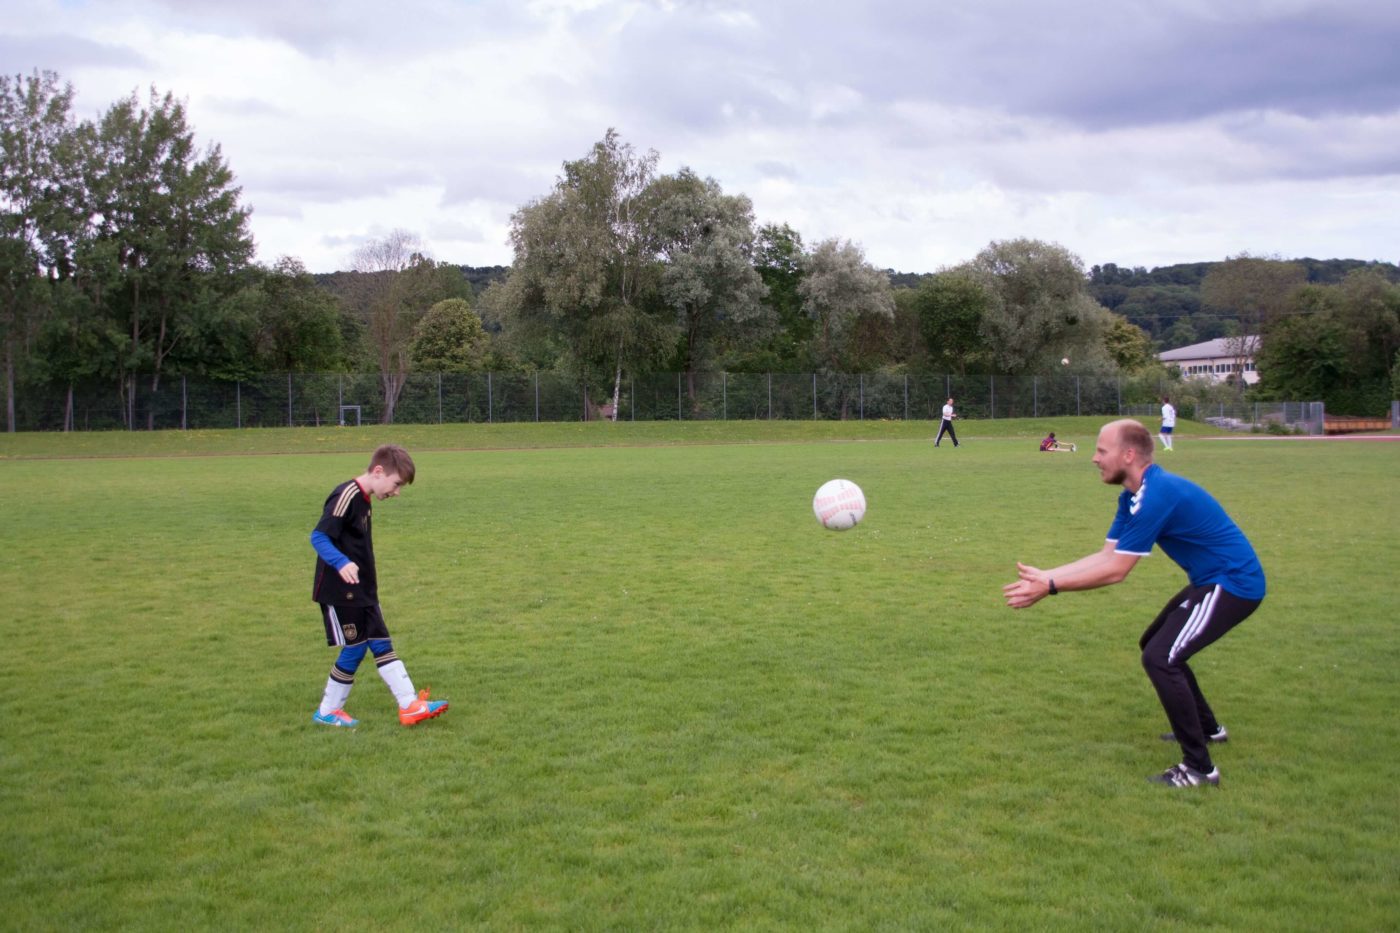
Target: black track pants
<point>1190,621</point>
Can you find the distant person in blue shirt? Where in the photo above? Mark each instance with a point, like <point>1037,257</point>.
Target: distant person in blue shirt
<point>1226,583</point>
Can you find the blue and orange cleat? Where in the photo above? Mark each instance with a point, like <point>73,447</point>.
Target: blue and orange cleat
<point>421,709</point>
<point>335,718</point>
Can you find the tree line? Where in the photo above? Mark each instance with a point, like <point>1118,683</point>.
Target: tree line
<point>125,254</point>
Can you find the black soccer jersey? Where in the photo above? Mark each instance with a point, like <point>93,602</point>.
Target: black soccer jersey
<point>346,521</point>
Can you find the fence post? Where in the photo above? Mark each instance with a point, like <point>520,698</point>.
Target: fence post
<point>184,405</point>
<point>439,382</point>
<point>490,400</point>
<point>238,402</point>
<point>814,396</point>
<point>861,377</point>
<point>992,383</point>
<point>906,396</point>
<point>537,396</point>
<point>291,423</point>
<point>770,396</point>
<point>1035,396</point>
<point>1078,404</point>
<point>680,416</point>
<point>724,393</point>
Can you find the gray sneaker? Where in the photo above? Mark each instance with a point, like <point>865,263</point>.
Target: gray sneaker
<point>1185,776</point>
<point>1215,738</point>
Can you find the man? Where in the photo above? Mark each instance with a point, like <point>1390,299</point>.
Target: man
<point>947,426</point>
<point>1226,583</point>
<point>1168,423</point>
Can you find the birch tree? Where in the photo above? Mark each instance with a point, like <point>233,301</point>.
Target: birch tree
<point>586,261</point>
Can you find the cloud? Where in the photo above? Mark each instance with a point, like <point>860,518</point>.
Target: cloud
<point>65,54</point>
<point>1129,130</point>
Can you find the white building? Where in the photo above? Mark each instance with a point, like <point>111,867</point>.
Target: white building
<point>1220,359</point>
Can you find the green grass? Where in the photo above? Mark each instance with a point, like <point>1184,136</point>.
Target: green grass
<point>677,702</point>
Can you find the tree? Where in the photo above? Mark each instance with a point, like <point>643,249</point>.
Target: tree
<point>36,174</point>
<point>165,233</point>
<point>1303,358</point>
<point>1257,291</point>
<point>1129,346</point>
<point>837,286</point>
<point>289,324</point>
<point>950,307</point>
<point>449,338</point>
<point>1335,343</point>
<point>586,258</point>
<point>394,285</point>
<point>1038,308</point>
<point>778,257</point>
<point>706,241</point>
<point>1368,309</point>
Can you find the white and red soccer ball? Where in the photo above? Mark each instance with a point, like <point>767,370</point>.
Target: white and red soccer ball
<point>839,505</point>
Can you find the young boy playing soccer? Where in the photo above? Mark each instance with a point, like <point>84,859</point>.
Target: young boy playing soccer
<point>347,589</point>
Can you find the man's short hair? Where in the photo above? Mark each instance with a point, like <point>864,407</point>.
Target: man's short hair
<point>1133,434</point>
<point>394,459</point>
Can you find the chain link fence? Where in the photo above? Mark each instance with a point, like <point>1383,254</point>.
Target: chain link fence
<point>299,399</point>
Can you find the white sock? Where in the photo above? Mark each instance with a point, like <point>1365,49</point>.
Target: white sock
<point>396,676</point>
<point>335,696</point>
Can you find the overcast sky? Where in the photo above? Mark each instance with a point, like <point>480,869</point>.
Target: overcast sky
<point>1141,132</point>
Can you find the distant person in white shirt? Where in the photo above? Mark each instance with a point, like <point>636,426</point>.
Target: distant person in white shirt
<point>1168,422</point>
<point>947,426</point>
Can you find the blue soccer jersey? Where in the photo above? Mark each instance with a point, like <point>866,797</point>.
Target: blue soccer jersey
<point>1191,528</point>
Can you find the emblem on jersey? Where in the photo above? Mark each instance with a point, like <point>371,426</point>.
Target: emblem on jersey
<point>1137,499</point>
<point>351,633</point>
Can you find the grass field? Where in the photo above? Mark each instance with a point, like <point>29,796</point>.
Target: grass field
<point>677,702</point>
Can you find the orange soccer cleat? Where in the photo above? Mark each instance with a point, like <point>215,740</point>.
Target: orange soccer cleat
<point>421,709</point>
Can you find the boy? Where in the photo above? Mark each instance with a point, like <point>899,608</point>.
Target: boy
<point>347,589</point>
<point>1051,445</point>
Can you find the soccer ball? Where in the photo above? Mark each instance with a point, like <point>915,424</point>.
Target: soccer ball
<point>1064,362</point>
<point>839,505</point>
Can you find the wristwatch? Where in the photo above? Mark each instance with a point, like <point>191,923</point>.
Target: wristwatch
<point>1053,590</point>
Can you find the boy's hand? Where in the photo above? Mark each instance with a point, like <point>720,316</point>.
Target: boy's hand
<point>350,573</point>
